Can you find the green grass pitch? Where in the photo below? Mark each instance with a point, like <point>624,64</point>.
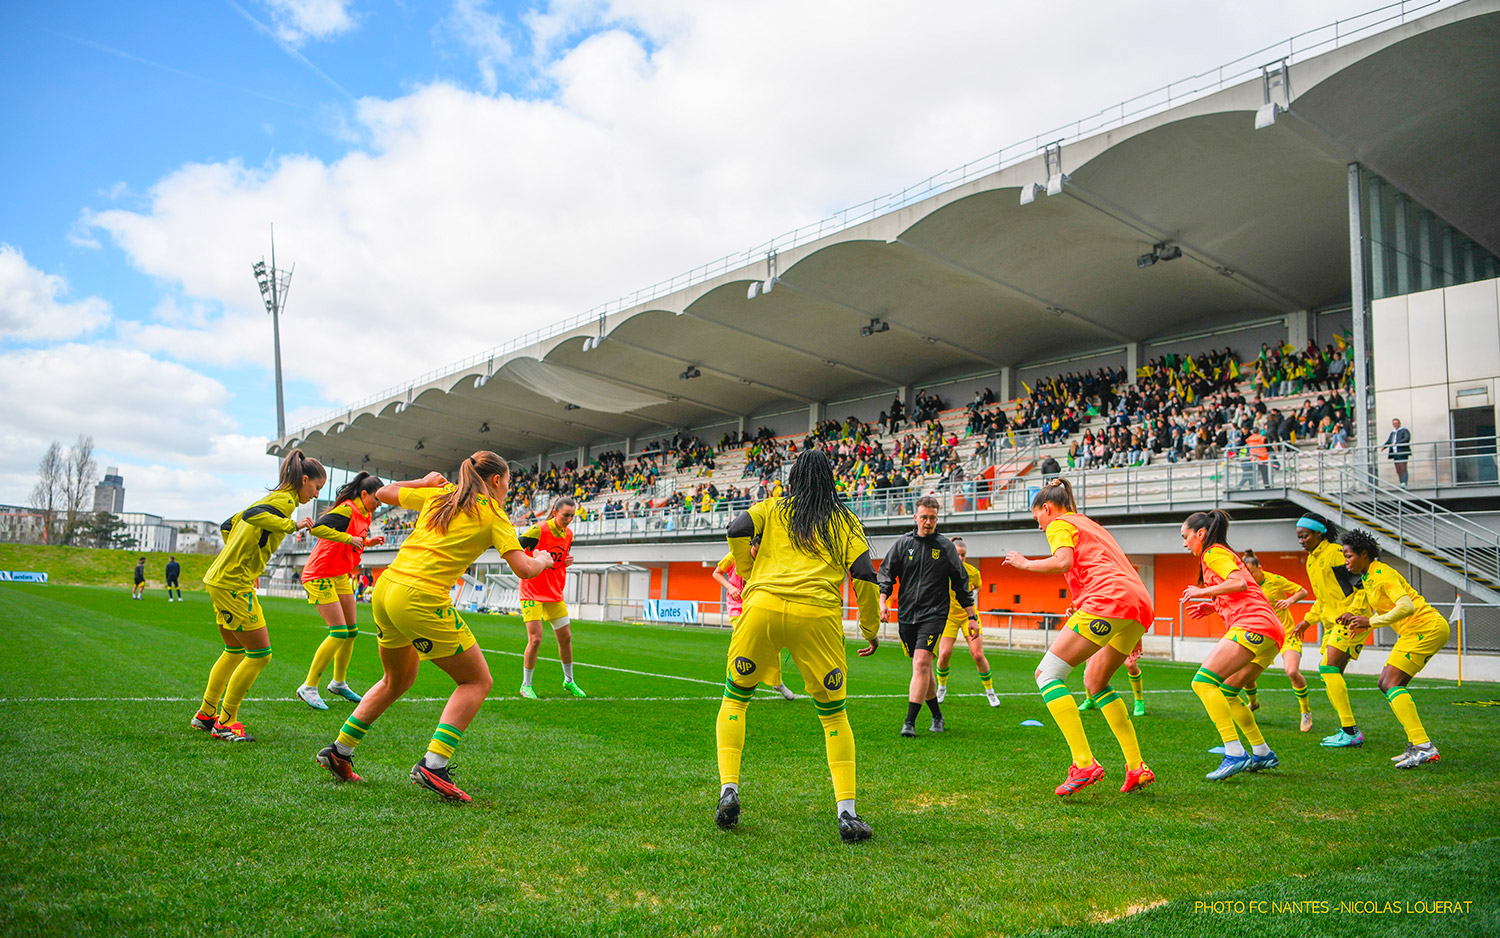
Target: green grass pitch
<point>594,817</point>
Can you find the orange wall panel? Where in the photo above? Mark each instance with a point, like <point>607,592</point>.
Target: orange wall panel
<point>691,580</point>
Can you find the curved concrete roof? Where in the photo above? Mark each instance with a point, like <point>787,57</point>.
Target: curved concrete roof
<point>971,280</point>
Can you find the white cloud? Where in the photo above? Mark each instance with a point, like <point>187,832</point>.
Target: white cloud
<point>297,20</point>
<point>673,133</point>
<point>34,304</point>
<point>482,32</point>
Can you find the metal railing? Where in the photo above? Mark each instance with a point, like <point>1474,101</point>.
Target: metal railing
<point>1292,50</point>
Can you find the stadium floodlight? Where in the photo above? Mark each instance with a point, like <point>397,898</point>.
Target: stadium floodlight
<point>274,285</point>
<point>1030,192</point>
<point>1145,260</point>
<point>754,290</point>
<point>1055,183</point>
<point>1266,114</point>
<point>768,285</point>
<point>876,325</point>
<point>689,373</point>
<point>1168,252</point>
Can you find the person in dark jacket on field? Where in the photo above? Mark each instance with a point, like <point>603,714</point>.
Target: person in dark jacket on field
<point>930,573</point>
<point>173,571</point>
<point>138,591</point>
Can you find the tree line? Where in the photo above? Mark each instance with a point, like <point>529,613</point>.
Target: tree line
<point>63,501</point>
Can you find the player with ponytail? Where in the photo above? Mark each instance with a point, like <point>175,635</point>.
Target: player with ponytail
<point>414,617</point>
<point>328,579</point>
<point>542,597</point>
<point>250,537</point>
<point>1254,636</point>
<point>1111,611</point>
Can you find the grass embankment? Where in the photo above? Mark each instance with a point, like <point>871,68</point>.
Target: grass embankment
<point>82,566</point>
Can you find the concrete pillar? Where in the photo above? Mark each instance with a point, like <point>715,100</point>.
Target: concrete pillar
<point>629,445</point>
<point>541,463</point>
<point>740,426</point>
<point>815,413</point>
<point>1296,329</point>
<point>1007,389</point>
<point>1132,361</point>
<point>1402,245</point>
<point>665,569</point>
<point>583,456</point>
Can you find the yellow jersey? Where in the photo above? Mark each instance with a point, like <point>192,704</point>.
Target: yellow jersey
<point>432,562</point>
<point>1277,588</point>
<point>1381,588</point>
<point>1332,584</point>
<point>250,538</point>
<point>956,612</point>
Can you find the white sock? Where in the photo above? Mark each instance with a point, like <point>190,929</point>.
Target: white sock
<point>341,749</point>
<point>568,671</point>
<point>435,761</point>
<point>1261,750</point>
<point>1234,748</point>
<point>847,805</point>
<point>337,685</point>
<point>729,786</point>
<point>526,674</point>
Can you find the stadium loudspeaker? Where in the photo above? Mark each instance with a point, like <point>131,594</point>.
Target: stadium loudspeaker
<point>1055,183</point>
<point>1265,115</point>
<point>754,290</point>
<point>768,285</point>
<point>1030,192</point>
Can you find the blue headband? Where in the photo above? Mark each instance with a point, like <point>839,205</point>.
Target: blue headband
<point>1312,525</point>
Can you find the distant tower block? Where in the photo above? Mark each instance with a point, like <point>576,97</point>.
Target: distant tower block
<point>109,495</point>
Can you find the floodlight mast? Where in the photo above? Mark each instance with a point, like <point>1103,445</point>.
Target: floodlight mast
<point>274,286</point>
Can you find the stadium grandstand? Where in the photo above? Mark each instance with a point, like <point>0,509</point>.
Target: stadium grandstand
<point>1219,294</point>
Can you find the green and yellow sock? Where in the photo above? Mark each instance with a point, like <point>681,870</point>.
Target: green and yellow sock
<point>1252,695</point>
<point>1137,684</point>
<point>1338,693</point>
<point>218,679</point>
<point>1406,711</point>
<point>241,681</point>
<point>445,740</point>
<point>942,676</point>
<point>352,734</point>
<point>322,657</point>
<point>1118,717</point>
<point>343,654</point>
<point>1242,716</point>
<point>1302,701</point>
<point>1060,704</point>
<point>730,731</point>
<point>1210,689</point>
<point>838,740</point>
<point>987,678</point>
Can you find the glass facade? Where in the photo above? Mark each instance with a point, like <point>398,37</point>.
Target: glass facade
<point>1409,249</point>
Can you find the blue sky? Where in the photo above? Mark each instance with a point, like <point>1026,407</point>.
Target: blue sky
<point>448,174</point>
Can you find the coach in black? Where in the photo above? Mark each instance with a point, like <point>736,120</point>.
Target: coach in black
<point>928,568</point>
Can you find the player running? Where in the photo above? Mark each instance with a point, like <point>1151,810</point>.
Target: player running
<point>1332,586</point>
<point>1283,594</point>
<point>1112,611</point>
<point>728,577</point>
<point>414,616</point>
<point>542,596</point>
<point>1254,636</point>
<point>250,537</point>
<point>138,590</point>
<point>809,542</point>
<point>173,572</point>
<point>957,622</point>
<point>1385,599</point>
<point>1132,673</point>
<point>328,579</point>
<point>931,577</point>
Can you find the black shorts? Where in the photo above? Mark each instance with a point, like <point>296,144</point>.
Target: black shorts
<point>171,582</point>
<point>139,581</point>
<point>922,637</point>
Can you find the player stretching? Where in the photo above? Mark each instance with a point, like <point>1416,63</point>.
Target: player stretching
<point>1332,586</point>
<point>956,622</point>
<point>1254,635</point>
<point>1112,610</point>
<point>414,616</point>
<point>1283,593</point>
<point>1385,599</point>
<point>809,542</point>
<point>931,576</point>
<point>1133,674</point>
<point>542,597</point>
<point>329,583</point>
<point>734,585</point>
<point>250,538</point>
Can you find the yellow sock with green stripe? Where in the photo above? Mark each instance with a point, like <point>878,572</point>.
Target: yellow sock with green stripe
<point>1252,694</point>
<point>1406,711</point>
<point>1118,717</point>
<point>343,654</point>
<point>445,739</point>
<point>322,657</point>
<point>1210,689</point>
<point>1060,704</point>
<point>838,740</point>
<point>241,681</point>
<point>1137,685</point>
<point>942,676</point>
<point>218,679</point>
<point>1302,702</point>
<point>352,734</point>
<point>1338,695</point>
<point>730,731</point>
<point>987,678</point>
<point>1244,719</point>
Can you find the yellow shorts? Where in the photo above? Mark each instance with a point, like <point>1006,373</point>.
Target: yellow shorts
<point>236,610</point>
<point>958,628</point>
<point>1264,649</point>
<point>424,621</point>
<point>1414,650</point>
<point>813,634</point>
<point>1120,634</point>
<point>327,589</point>
<point>1293,644</point>
<point>534,610</point>
<point>1350,643</point>
<point>770,675</point>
